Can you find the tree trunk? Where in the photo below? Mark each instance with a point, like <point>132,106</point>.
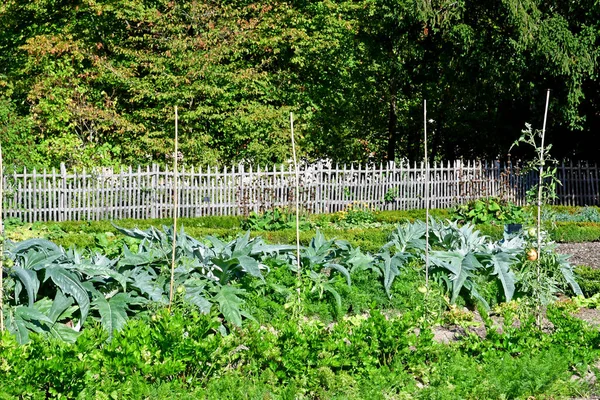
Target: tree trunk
<point>392,122</point>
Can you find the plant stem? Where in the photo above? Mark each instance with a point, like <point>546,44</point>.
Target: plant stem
<point>175,211</point>
<point>297,184</point>
<point>1,243</point>
<point>539,199</point>
<point>426,197</point>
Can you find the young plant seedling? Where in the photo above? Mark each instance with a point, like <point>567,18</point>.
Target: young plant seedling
<point>545,190</point>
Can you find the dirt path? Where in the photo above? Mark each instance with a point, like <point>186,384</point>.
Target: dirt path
<point>582,253</point>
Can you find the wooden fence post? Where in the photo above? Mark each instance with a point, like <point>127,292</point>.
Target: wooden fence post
<point>62,204</point>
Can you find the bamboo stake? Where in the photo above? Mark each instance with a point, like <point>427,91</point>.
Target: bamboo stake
<point>297,184</point>
<point>175,212</point>
<point>539,199</point>
<point>426,197</point>
<point>1,244</point>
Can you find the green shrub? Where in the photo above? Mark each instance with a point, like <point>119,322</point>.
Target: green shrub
<point>574,214</point>
<point>576,232</point>
<point>370,355</point>
<point>489,211</point>
<point>589,280</point>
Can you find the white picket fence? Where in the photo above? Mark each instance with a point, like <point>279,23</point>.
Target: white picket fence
<point>148,192</point>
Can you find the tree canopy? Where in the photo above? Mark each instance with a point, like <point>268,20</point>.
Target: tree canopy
<point>94,82</point>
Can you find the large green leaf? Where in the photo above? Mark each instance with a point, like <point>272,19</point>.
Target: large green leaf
<point>60,307</point>
<point>389,268</point>
<point>70,284</point>
<point>150,284</point>
<point>195,293</point>
<point>31,314</point>
<point>567,271</point>
<point>241,247</point>
<point>38,245</point>
<point>30,282</point>
<point>18,327</point>
<point>358,261</point>
<point>22,320</point>
<point>501,262</point>
<point>34,260</point>
<point>341,269</point>
<point>408,237</point>
<point>230,304</point>
<point>261,248</point>
<point>113,312</point>
<point>250,266</point>
<point>64,332</point>
<point>142,258</point>
<point>104,272</point>
<point>461,265</point>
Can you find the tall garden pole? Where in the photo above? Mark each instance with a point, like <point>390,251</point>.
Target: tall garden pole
<point>539,197</point>
<point>1,243</point>
<point>297,195</point>
<point>426,196</point>
<point>175,212</point>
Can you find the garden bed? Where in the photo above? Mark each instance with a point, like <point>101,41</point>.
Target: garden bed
<point>585,253</point>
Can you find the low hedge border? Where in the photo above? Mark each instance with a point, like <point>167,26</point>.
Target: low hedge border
<point>83,233</point>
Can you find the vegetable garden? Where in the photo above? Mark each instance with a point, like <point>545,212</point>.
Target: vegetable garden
<point>87,308</point>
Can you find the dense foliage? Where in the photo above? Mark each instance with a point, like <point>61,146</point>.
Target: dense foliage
<point>94,82</point>
<point>375,357</point>
<point>356,324</point>
<point>53,291</point>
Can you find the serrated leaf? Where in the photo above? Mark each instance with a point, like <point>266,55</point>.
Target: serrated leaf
<point>250,266</point>
<point>389,268</point>
<point>70,284</point>
<point>567,272</point>
<point>142,258</point>
<point>241,245</point>
<point>64,333</point>
<point>18,327</point>
<point>217,244</point>
<point>39,245</point>
<point>408,237</point>
<point>501,263</point>
<point>195,294</point>
<point>150,285</point>
<point>60,304</point>
<point>265,249</point>
<point>342,270</point>
<point>31,314</point>
<point>475,294</point>
<point>459,264</point>
<point>230,303</point>
<point>358,261</point>
<point>30,282</point>
<point>338,299</point>
<point>36,261</point>
<point>113,312</point>
<point>137,233</point>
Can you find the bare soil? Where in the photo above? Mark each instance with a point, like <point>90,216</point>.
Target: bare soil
<point>587,253</point>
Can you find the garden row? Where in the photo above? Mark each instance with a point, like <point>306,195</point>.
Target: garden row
<point>351,322</point>
<point>359,225</point>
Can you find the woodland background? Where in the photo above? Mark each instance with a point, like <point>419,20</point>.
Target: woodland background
<point>94,82</point>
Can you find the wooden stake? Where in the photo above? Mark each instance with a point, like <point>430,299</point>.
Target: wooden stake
<point>175,211</point>
<point>539,199</point>
<point>1,244</point>
<point>297,184</point>
<point>426,197</point>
